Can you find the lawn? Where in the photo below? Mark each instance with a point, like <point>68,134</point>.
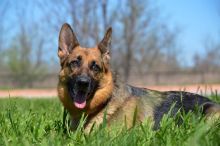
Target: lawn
<point>39,122</point>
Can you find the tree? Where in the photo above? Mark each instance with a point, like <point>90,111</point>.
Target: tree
<point>210,61</point>
<point>3,10</point>
<point>146,43</point>
<point>24,57</point>
<point>138,35</point>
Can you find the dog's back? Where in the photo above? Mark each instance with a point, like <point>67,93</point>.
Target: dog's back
<point>130,105</point>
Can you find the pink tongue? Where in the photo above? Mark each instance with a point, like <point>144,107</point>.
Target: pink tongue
<point>80,105</point>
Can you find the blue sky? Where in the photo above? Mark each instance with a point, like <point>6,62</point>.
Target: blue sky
<point>197,19</point>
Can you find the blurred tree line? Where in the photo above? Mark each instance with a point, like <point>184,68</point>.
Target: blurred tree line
<point>142,41</point>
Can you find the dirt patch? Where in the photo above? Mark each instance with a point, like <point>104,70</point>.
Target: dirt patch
<point>28,93</point>
<point>50,93</point>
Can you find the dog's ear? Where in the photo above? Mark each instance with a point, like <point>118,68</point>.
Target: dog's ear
<point>67,41</point>
<point>105,46</point>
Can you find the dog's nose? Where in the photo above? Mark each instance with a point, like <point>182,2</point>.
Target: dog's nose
<point>83,82</point>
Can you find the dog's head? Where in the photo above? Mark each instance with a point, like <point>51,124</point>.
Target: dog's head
<point>83,68</point>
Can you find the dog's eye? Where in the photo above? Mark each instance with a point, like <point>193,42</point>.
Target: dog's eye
<point>74,63</point>
<point>95,67</point>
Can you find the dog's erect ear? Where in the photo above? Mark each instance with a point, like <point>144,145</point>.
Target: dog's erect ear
<point>67,41</point>
<point>105,45</point>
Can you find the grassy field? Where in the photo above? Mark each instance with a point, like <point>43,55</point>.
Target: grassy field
<point>39,122</point>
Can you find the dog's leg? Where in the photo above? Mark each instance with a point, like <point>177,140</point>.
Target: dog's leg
<point>212,111</point>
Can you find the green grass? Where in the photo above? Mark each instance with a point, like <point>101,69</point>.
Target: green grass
<point>39,122</point>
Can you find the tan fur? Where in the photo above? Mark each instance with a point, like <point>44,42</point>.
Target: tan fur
<point>213,113</point>
<point>103,93</point>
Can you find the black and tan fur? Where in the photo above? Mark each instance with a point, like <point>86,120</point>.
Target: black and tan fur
<point>86,77</point>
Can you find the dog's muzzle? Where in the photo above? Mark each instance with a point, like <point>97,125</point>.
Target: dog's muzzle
<point>79,89</point>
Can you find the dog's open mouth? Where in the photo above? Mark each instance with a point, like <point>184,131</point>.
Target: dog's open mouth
<point>80,99</point>
<point>78,94</point>
<point>80,91</point>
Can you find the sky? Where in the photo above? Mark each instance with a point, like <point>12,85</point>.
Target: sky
<point>197,19</point>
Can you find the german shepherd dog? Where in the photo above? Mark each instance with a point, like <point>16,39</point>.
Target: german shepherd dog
<point>87,85</point>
